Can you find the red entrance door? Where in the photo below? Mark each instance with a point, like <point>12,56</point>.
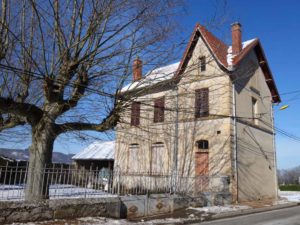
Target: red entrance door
<point>201,171</point>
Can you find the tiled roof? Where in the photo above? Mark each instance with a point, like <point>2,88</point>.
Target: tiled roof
<point>222,54</point>
<point>224,57</point>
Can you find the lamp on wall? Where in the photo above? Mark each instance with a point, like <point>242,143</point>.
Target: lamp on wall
<point>284,107</point>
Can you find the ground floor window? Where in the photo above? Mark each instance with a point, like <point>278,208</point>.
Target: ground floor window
<point>132,158</point>
<point>157,158</point>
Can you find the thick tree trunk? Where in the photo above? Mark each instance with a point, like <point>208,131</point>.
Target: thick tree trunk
<point>37,185</point>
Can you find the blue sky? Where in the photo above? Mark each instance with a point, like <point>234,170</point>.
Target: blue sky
<point>277,24</point>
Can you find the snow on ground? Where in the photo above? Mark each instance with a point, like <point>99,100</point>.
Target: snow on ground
<point>292,196</point>
<point>16,193</point>
<point>221,209</point>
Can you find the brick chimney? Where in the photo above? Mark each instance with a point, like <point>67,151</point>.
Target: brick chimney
<point>236,38</point>
<point>137,69</point>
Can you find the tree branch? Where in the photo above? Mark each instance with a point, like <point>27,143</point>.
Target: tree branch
<point>10,122</point>
<point>31,112</point>
<point>108,123</point>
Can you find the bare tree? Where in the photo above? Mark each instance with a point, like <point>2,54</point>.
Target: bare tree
<point>64,62</point>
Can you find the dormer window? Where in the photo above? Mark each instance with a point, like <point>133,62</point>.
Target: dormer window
<point>202,62</point>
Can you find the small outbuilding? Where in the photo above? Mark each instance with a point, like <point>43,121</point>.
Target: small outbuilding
<point>97,156</point>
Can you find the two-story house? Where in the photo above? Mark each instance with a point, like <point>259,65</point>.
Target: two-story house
<point>206,117</point>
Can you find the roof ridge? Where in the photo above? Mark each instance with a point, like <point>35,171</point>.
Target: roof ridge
<point>222,42</point>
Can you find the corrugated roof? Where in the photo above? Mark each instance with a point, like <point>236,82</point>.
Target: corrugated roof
<point>98,150</point>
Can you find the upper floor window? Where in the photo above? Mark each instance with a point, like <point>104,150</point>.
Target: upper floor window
<point>135,113</point>
<point>201,102</point>
<point>159,110</point>
<point>202,145</point>
<point>254,111</point>
<point>202,62</point>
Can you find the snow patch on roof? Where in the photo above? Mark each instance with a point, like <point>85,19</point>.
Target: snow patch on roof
<point>230,56</point>
<point>97,150</point>
<point>153,77</point>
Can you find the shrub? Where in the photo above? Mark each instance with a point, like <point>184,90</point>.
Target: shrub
<point>290,187</point>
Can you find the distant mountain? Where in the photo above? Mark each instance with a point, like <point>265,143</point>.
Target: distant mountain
<point>23,155</point>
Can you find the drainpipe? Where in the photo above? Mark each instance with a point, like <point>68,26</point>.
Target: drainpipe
<point>175,151</point>
<point>274,149</point>
<point>235,138</point>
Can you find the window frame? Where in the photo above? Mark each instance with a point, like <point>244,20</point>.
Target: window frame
<point>156,167</point>
<point>254,108</point>
<point>131,158</point>
<point>202,63</point>
<point>201,102</point>
<point>202,145</point>
<point>135,113</point>
<point>159,110</point>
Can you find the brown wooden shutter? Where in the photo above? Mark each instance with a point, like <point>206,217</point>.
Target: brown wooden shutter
<point>159,110</point>
<point>201,102</point>
<point>135,113</point>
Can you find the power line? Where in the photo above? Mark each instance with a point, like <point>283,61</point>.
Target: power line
<point>290,92</point>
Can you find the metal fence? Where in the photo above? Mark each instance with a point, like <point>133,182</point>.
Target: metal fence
<point>70,182</point>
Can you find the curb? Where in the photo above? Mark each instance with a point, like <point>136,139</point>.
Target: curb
<point>232,214</point>
<point>253,211</point>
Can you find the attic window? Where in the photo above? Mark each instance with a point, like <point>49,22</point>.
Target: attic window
<point>202,61</point>
<point>202,144</point>
<point>254,111</point>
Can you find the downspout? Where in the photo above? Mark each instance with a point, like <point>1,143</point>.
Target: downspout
<point>175,152</point>
<point>274,149</point>
<point>235,138</point>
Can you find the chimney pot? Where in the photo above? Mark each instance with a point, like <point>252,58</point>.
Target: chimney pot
<point>137,69</point>
<point>236,32</point>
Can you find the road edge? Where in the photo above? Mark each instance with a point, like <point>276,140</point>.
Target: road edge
<point>225,215</point>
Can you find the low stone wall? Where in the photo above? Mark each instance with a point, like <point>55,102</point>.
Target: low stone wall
<point>60,209</point>
<point>113,207</point>
<point>155,204</point>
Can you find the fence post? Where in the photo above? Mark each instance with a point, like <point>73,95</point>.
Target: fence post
<point>5,173</point>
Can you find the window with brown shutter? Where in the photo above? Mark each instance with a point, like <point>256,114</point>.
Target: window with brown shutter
<point>158,162</point>
<point>201,103</point>
<point>159,110</point>
<point>135,113</point>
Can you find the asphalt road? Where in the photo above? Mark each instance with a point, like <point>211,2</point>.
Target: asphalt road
<point>287,216</point>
